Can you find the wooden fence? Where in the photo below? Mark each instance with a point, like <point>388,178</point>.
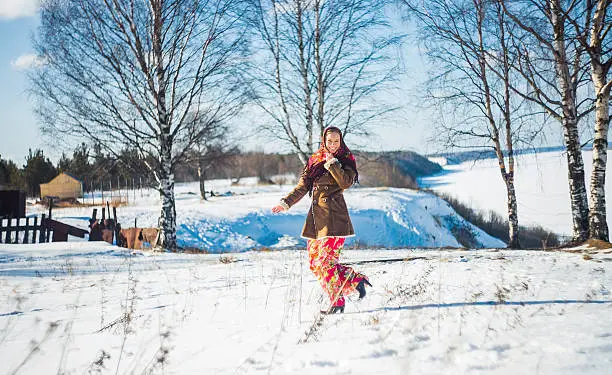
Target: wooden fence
<point>32,230</point>
<point>24,230</point>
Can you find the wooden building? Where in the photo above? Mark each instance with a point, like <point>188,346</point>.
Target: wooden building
<point>63,186</point>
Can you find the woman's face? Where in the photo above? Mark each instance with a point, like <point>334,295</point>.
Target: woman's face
<point>332,141</point>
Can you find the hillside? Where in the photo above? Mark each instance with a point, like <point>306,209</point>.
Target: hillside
<point>541,187</point>
<point>241,218</point>
<point>394,168</point>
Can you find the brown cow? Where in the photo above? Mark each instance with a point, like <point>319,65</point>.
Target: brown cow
<point>137,238</point>
<point>131,238</point>
<point>95,233</point>
<point>107,235</point>
<point>150,236</point>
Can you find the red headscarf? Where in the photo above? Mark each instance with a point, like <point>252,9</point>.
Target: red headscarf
<point>314,168</point>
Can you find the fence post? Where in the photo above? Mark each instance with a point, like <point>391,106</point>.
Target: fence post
<point>27,230</point>
<point>48,231</point>
<point>50,207</point>
<point>41,237</point>
<point>34,229</point>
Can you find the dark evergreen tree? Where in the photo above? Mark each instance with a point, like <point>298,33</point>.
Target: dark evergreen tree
<point>79,165</point>
<point>10,175</point>
<point>63,165</point>
<point>37,170</point>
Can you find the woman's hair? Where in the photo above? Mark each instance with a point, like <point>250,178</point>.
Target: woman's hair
<point>331,129</point>
<point>314,167</point>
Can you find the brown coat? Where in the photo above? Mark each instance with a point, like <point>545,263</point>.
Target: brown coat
<point>328,215</point>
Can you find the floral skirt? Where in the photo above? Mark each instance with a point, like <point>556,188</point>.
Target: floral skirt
<point>336,279</point>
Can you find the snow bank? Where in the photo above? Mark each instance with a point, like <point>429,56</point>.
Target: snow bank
<point>240,218</point>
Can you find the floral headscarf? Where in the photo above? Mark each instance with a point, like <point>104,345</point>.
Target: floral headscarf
<point>314,168</point>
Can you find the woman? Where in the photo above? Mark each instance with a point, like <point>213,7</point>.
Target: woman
<point>329,171</point>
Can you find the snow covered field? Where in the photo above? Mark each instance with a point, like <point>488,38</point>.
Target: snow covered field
<point>89,307</point>
<point>541,187</point>
<point>75,308</point>
<point>242,220</point>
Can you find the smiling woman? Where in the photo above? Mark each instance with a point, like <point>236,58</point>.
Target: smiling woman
<point>329,171</point>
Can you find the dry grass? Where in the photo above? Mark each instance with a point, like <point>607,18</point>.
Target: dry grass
<point>226,259</point>
<point>598,244</point>
<point>193,250</point>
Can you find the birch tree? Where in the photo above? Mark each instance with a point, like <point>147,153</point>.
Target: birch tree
<point>324,61</point>
<point>592,28</point>
<point>467,43</point>
<point>138,74</point>
<point>552,62</point>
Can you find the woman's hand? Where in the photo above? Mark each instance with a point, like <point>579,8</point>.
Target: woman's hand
<point>278,208</point>
<point>329,156</point>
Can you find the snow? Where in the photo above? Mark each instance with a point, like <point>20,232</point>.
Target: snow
<point>542,189</point>
<point>89,307</point>
<point>250,305</point>
<point>240,218</point>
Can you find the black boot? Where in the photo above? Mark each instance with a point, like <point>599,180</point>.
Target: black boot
<point>361,287</point>
<point>338,307</point>
<point>333,310</point>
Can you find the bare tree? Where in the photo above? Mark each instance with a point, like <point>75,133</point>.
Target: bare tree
<point>552,62</point>
<point>467,42</point>
<point>139,74</point>
<point>212,157</point>
<point>327,60</point>
<point>592,28</point>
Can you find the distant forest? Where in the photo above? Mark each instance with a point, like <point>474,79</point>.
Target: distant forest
<point>97,169</point>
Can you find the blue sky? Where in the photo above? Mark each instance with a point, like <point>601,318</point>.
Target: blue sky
<point>18,21</point>
<point>406,129</point>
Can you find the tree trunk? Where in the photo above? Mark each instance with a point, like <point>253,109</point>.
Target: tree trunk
<point>305,80</point>
<point>578,196</point>
<point>319,69</point>
<point>167,219</point>
<point>598,225</point>
<point>279,85</point>
<point>575,170</point>
<point>202,178</point>
<point>513,226</point>
<point>508,177</point>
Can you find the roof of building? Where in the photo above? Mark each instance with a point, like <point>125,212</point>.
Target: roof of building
<point>72,176</point>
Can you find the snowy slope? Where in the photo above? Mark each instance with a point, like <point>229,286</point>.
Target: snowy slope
<point>90,307</point>
<point>541,187</point>
<point>243,219</point>
<point>80,307</point>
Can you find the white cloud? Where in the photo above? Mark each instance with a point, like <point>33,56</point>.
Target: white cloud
<point>11,9</point>
<point>24,62</point>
